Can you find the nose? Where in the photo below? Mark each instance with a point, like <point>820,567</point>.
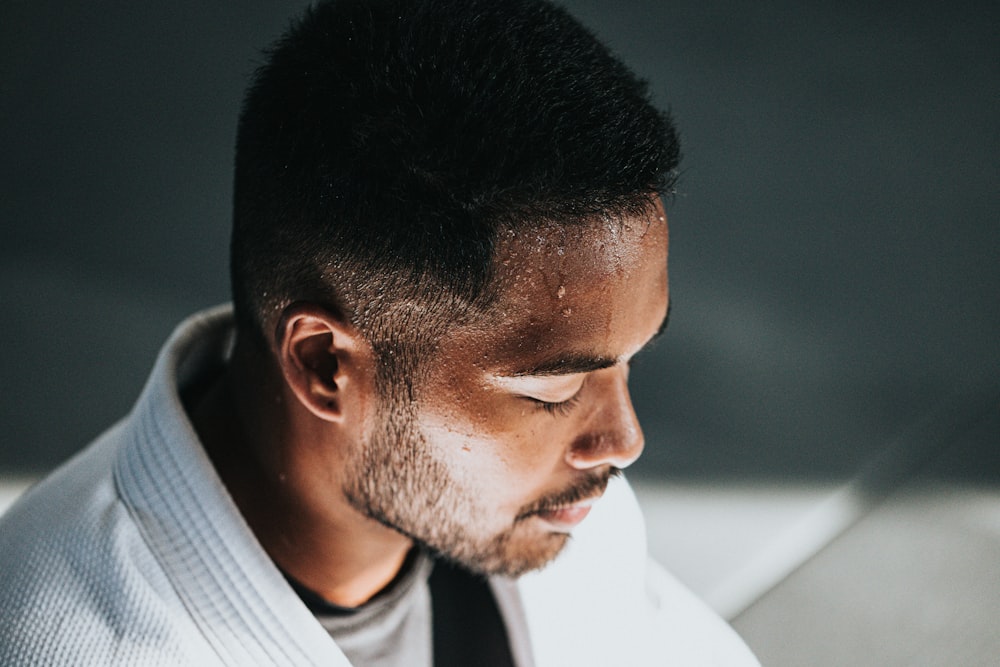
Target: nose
<point>611,435</point>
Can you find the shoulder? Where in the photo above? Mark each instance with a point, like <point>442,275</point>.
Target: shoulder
<point>78,583</point>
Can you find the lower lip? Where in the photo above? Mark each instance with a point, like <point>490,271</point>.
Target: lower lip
<point>566,518</point>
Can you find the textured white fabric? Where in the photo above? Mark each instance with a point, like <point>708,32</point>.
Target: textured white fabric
<point>134,553</point>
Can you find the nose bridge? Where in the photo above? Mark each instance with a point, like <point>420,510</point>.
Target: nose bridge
<point>611,435</point>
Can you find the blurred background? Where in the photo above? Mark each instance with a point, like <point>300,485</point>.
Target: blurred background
<point>823,419</point>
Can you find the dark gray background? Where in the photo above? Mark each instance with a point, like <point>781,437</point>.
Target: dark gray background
<point>835,240</point>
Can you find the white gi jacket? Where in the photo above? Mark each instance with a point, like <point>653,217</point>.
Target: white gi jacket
<point>134,553</point>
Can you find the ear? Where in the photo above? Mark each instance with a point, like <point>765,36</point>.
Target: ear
<point>326,362</point>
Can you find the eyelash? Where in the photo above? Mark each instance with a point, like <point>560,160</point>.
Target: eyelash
<point>562,408</point>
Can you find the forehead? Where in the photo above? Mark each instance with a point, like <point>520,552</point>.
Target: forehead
<point>596,288</point>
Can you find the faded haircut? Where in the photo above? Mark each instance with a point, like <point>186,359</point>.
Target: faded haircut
<point>384,144</point>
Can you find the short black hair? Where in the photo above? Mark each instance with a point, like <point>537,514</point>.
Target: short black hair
<point>384,143</point>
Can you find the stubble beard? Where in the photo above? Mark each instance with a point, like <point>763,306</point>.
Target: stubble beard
<point>397,480</point>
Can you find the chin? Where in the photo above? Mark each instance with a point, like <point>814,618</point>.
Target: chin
<point>511,554</point>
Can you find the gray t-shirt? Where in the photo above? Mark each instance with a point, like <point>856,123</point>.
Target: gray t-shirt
<point>393,629</point>
<point>433,614</point>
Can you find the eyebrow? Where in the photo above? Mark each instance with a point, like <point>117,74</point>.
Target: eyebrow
<point>567,364</point>
<point>571,364</point>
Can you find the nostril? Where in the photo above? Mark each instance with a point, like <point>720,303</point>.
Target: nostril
<point>619,449</point>
<point>588,450</point>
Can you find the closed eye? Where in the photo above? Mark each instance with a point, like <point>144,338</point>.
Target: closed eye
<point>561,408</point>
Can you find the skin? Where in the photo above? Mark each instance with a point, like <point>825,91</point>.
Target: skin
<point>518,425</point>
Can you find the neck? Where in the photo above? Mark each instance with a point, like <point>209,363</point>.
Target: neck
<point>283,470</point>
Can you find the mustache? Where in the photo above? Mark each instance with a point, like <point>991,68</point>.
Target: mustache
<point>594,484</point>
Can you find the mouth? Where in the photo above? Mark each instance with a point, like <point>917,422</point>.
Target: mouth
<point>562,512</point>
<point>564,519</point>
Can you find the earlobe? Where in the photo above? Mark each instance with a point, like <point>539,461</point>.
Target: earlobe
<point>321,357</point>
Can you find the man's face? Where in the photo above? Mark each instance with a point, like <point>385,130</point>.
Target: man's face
<point>523,419</point>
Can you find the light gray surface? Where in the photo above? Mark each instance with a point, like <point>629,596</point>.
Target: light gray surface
<point>915,583</point>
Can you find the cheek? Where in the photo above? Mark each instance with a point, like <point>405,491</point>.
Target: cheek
<point>534,439</point>
<point>514,451</point>
<point>470,454</point>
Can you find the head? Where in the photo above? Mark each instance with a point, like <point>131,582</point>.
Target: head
<point>469,191</point>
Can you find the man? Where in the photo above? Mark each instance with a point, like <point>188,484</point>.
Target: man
<point>447,245</point>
